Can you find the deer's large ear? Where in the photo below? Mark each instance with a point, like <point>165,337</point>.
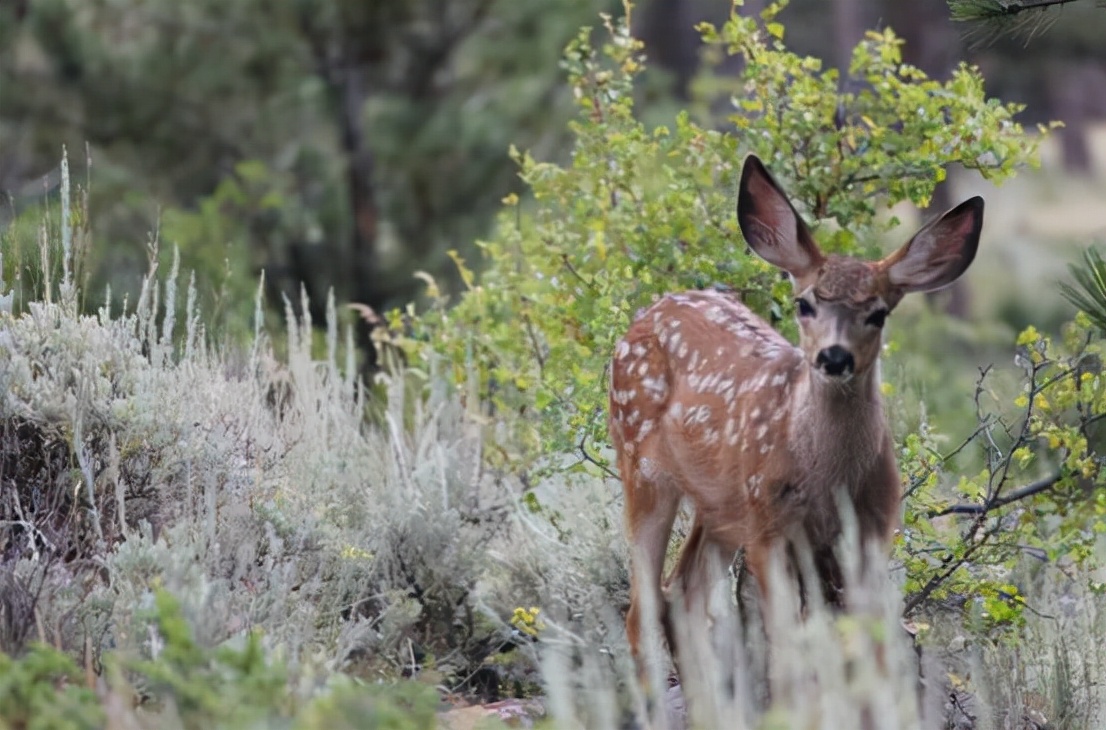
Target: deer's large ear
<point>770,224</point>
<point>939,253</point>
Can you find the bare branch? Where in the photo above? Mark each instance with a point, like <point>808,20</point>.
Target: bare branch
<point>1028,490</point>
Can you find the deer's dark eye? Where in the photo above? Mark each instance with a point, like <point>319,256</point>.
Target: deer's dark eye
<point>806,309</point>
<point>877,318</point>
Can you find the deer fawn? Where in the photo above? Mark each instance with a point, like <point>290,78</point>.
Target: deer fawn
<point>708,402</point>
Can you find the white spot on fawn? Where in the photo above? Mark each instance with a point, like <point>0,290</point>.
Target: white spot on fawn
<point>708,382</point>
<point>646,427</point>
<point>622,397</point>
<point>656,387</point>
<point>726,389</point>
<point>696,415</point>
<point>623,350</point>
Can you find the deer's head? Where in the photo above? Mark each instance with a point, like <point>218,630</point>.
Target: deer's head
<point>841,301</point>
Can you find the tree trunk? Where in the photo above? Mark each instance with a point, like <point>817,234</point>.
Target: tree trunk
<point>1070,97</point>
<point>668,30</point>
<point>848,30</point>
<point>932,43</point>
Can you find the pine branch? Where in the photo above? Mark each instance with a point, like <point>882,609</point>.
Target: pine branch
<point>969,10</point>
<point>992,19</point>
<point>1089,292</point>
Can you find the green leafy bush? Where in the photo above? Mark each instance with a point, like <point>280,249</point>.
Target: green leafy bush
<point>641,210</point>
<point>1040,496</point>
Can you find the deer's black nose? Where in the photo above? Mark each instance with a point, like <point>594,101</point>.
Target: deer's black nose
<point>836,360</point>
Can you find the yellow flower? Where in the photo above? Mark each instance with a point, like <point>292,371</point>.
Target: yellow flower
<point>1029,335</point>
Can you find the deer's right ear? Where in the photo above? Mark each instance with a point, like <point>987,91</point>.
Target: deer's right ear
<point>939,253</point>
<point>770,224</point>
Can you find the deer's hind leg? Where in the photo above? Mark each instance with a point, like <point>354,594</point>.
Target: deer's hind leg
<point>703,627</point>
<point>651,504</point>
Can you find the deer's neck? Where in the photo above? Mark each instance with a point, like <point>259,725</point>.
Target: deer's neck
<point>837,430</point>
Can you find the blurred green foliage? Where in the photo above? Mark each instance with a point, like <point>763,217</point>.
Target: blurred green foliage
<point>43,690</point>
<point>208,688</point>
<point>188,686</point>
<point>366,138</point>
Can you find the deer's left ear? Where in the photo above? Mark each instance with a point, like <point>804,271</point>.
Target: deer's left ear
<point>939,253</point>
<point>770,224</point>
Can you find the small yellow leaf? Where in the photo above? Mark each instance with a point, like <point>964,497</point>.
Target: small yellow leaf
<point>1029,335</point>
<point>466,273</point>
<point>599,241</point>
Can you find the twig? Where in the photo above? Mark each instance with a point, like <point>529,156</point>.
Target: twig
<point>1028,490</point>
<point>586,457</point>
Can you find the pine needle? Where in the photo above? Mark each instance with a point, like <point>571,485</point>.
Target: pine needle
<point>993,19</point>
<point>1089,292</point>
